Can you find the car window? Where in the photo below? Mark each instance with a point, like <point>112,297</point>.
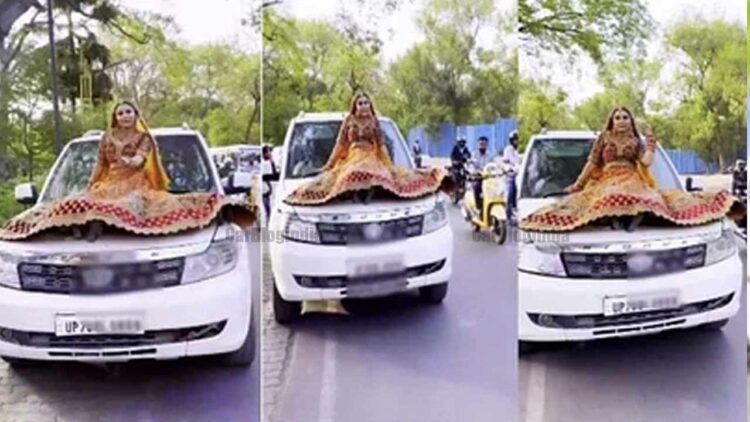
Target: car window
<point>312,143</point>
<point>182,156</point>
<point>554,164</point>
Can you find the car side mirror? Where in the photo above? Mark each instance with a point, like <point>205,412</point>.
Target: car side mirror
<point>689,185</point>
<point>239,182</point>
<point>26,194</point>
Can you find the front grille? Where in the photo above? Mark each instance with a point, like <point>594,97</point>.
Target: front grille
<point>378,232</point>
<point>633,265</point>
<point>111,341</point>
<point>82,279</point>
<point>341,281</point>
<point>600,321</point>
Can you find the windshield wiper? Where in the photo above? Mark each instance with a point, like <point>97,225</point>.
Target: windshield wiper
<point>555,193</point>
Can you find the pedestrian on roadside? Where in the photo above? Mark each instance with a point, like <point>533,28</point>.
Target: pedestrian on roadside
<point>512,159</point>
<point>269,173</point>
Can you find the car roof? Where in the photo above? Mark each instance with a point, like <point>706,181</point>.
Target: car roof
<point>566,134</point>
<point>326,117</point>
<point>234,148</point>
<point>96,135</point>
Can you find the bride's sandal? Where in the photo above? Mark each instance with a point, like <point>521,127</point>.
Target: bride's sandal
<point>634,223</point>
<point>95,230</point>
<point>77,232</point>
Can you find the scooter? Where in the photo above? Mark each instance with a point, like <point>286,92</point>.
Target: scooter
<point>492,217</point>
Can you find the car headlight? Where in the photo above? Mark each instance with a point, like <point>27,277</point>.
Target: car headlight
<point>9,271</point>
<point>435,219</point>
<point>540,258</point>
<point>298,230</point>
<point>220,258</point>
<point>721,248</point>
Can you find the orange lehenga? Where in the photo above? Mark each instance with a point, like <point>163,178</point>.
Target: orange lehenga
<point>618,184</point>
<point>135,199</point>
<point>360,161</point>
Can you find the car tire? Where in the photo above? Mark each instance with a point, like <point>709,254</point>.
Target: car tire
<point>285,312</point>
<point>528,347</point>
<point>434,294</point>
<point>17,363</point>
<point>245,355</point>
<point>715,325</point>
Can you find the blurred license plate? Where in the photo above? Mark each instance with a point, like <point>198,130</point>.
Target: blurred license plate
<point>376,268</point>
<point>79,325</point>
<point>621,305</point>
<point>376,277</point>
<point>376,288</point>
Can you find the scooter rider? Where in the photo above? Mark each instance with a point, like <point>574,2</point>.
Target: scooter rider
<point>480,159</point>
<point>417,150</point>
<point>512,159</point>
<point>459,156</point>
<point>739,179</point>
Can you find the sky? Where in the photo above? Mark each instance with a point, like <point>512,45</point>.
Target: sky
<point>581,82</point>
<point>399,32</point>
<point>202,22</point>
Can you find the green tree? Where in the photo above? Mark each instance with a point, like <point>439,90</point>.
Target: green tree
<point>596,27</point>
<point>542,107</point>
<point>712,87</point>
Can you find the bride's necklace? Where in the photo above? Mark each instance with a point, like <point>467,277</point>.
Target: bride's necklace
<point>120,140</point>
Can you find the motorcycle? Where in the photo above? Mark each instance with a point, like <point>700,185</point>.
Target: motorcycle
<point>492,216</point>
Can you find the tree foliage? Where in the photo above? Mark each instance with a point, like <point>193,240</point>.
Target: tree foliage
<point>447,77</point>
<point>596,27</point>
<point>212,88</point>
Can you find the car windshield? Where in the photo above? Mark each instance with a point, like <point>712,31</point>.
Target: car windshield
<point>312,144</point>
<point>181,155</point>
<point>554,164</point>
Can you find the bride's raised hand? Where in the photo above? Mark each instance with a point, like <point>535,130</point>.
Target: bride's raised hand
<point>650,138</point>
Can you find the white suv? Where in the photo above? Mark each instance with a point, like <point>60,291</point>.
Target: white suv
<point>124,296</point>
<point>348,250</point>
<point>596,282</point>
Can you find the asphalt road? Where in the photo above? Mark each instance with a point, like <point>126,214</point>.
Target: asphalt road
<point>195,389</point>
<point>686,376</point>
<point>394,359</point>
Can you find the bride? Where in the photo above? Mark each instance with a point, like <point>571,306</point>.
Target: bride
<point>128,189</point>
<point>617,186</point>
<point>360,166</point>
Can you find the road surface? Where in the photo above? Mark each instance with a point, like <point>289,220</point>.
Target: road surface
<point>687,376</point>
<point>196,389</point>
<point>397,360</point>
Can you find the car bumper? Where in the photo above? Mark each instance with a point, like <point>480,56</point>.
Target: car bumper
<point>226,298</point>
<point>567,297</point>
<point>293,258</point>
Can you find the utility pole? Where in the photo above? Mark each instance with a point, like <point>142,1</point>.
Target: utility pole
<point>53,75</point>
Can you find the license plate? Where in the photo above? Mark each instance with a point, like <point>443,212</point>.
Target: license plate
<point>376,289</point>
<point>375,277</point>
<point>376,268</point>
<point>621,305</point>
<point>91,325</point>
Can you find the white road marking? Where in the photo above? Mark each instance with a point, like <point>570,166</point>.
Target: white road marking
<point>327,410</point>
<point>535,392</point>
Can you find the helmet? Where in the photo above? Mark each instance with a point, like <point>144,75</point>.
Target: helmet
<point>513,135</point>
<point>461,140</point>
